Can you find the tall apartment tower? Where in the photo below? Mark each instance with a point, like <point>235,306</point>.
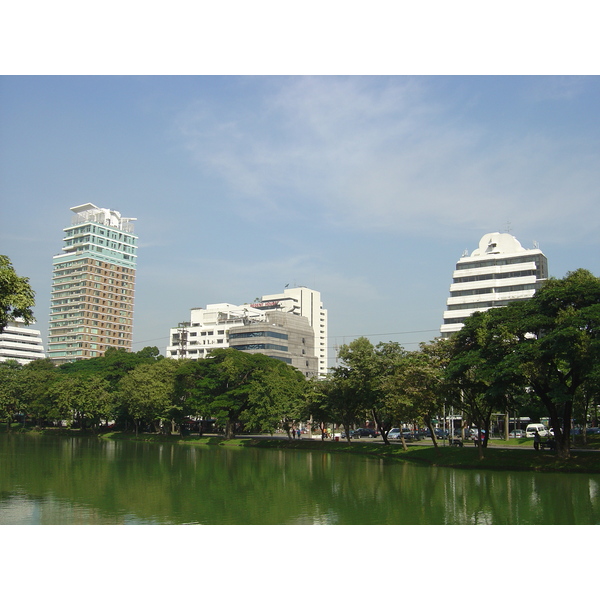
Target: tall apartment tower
<point>307,303</point>
<point>499,272</point>
<point>93,285</point>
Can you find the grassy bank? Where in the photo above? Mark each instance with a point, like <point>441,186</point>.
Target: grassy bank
<point>463,458</point>
<point>518,457</point>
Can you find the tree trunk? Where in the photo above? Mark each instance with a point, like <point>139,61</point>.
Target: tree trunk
<point>381,426</point>
<point>229,434</point>
<point>404,446</point>
<point>432,432</point>
<point>561,431</point>
<point>347,430</point>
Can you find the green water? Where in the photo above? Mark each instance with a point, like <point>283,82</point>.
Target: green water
<point>88,481</point>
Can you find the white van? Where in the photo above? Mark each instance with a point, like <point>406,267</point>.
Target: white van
<point>539,427</point>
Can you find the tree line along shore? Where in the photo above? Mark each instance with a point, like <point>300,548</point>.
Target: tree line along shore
<point>539,356</point>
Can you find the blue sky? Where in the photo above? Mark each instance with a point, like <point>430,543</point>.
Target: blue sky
<point>367,189</point>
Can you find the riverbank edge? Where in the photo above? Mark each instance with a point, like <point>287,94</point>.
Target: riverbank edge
<point>503,459</point>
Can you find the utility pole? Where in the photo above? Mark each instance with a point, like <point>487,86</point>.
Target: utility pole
<point>183,332</point>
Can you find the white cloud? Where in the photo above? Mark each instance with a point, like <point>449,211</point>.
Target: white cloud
<point>385,154</point>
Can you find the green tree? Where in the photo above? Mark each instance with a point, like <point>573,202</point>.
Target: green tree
<point>479,380</point>
<point>149,393</point>
<point>364,383</point>
<point>548,344</point>
<point>35,380</point>
<point>558,349</point>
<point>278,398</point>
<point>84,399</point>
<point>16,296</point>
<point>419,384</point>
<point>340,404</point>
<point>9,396</point>
<point>114,364</point>
<point>228,384</point>
<point>389,403</point>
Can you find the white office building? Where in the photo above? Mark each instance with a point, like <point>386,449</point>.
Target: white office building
<point>21,343</point>
<point>296,318</point>
<point>307,303</point>
<point>208,329</point>
<point>499,272</point>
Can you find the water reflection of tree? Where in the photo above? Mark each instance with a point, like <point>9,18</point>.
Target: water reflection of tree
<point>214,485</point>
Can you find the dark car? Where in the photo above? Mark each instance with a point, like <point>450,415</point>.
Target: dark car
<point>364,432</point>
<point>410,435</point>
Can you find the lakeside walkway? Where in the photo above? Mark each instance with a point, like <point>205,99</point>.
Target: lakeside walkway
<point>526,444</point>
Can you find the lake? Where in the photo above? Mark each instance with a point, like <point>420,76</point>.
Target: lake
<point>49,480</point>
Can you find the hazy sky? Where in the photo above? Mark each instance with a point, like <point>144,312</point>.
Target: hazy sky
<point>367,189</point>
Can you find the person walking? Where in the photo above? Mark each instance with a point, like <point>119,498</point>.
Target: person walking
<point>536,440</point>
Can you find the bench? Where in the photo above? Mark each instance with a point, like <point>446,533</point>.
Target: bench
<point>456,442</point>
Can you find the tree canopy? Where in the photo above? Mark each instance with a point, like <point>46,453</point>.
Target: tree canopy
<point>17,299</point>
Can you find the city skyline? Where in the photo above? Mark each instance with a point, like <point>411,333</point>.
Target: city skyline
<point>367,189</point>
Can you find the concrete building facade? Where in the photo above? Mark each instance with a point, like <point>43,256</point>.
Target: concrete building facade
<point>93,285</point>
<point>291,327</point>
<point>281,335</point>
<point>499,272</point>
<point>208,329</point>
<point>21,343</point>
<point>304,302</point>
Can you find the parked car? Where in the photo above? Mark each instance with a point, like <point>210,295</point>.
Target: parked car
<point>407,434</point>
<point>593,430</point>
<point>441,434</point>
<point>411,435</point>
<point>517,433</point>
<point>364,432</point>
<point>541,429</point>
<point>394,434</point>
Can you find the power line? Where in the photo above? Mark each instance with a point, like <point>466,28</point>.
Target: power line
<point>378,334</point>
<point>154,340</point>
